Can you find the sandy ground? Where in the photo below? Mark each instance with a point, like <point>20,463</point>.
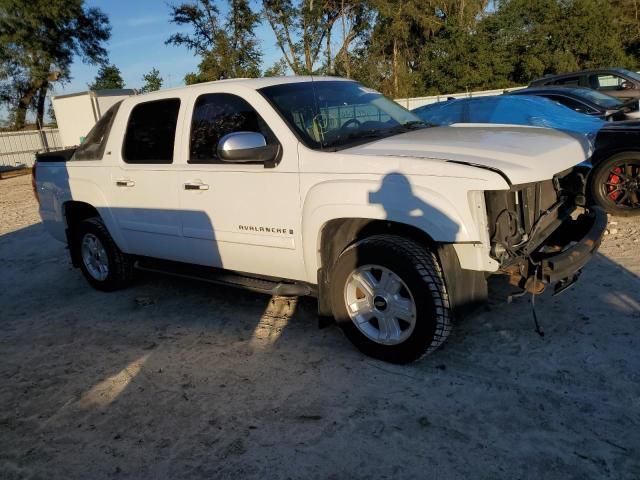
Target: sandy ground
<point>175,379</point>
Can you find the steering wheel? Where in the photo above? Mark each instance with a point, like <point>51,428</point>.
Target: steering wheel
<point>354,121</point>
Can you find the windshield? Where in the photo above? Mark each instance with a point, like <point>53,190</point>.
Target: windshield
<point>338,114</point>
<point>600,99</point>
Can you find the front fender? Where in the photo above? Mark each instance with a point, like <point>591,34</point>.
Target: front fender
<point>391,198</point>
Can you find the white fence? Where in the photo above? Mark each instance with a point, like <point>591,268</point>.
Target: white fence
<point>18,149</point>
<point>411,103</point>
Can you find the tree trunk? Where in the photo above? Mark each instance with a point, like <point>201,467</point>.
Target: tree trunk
<point>307,52</point>
<point>42,97</point>
<point>329,65</point>
<point>345,44</point>
<point>23,106</point>
<point>394,71</point>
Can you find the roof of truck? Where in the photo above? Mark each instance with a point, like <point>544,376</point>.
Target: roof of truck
<point>258,83</point>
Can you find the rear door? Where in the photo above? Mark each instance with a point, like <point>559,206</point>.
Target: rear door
<point>145,180</point>
<point>242,217</point>
<point>574,81</point>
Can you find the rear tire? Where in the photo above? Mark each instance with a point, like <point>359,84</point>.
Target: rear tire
<point>103,264</point>
<point>389,297</point>
<point>618,194</point>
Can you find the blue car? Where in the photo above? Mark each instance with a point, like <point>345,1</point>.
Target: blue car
<point>615,179</point>
<point>510,110</point>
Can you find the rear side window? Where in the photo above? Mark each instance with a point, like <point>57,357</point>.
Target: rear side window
<point>568,82</point>
<point>94,144</point>
<point>151,132</point>
<point>571,103</point>
<point>216,115</point>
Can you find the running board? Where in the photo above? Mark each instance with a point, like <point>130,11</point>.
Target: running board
<point>225,277</point>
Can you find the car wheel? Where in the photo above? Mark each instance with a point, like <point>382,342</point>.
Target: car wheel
<point>104,266</point>
<point>615,184</point>
<point>389,297</point>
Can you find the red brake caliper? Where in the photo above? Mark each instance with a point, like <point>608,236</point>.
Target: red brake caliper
<point>612,181</point>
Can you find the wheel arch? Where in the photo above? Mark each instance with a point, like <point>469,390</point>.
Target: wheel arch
<point>467,288</point>
<point>337,234</point>
<point>599,173</point>
<point>600,158</point>
<point>76,211</point>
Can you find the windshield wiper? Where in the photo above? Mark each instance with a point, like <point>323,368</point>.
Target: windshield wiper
<point>417,123</point>
<point>408,126</point>
<point>341,141</point>
<point>378,133</point>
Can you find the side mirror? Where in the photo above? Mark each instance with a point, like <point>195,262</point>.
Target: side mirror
<point>247,147</point>
<point>626,85</point>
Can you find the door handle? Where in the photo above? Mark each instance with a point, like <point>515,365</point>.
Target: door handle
<point>125,182</point>
<point>196,186</point>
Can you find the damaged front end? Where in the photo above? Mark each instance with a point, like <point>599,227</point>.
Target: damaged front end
<point>544,232</point>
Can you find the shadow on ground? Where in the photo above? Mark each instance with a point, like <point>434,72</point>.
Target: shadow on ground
<point>179,379</point>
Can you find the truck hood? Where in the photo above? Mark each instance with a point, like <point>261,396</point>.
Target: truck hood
<point>522,154</point>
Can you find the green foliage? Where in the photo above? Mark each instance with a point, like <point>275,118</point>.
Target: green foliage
<point>541,37</point>
<point>415,47</point>
<point>227,51</point>
<point>38,41</point>
<point>627,21</point>
<point>278,69</point>
<point>152,81</point>
<point>108,77</point>
<point>520,41</point>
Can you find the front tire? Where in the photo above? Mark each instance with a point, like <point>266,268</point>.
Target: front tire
<point>103,264</point>
<point>615,184</point>
<point>389,297</point>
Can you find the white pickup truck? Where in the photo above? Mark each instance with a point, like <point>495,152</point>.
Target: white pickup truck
<point>320,186</point>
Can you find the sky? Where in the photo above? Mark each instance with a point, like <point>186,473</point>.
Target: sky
<point>139,29</point>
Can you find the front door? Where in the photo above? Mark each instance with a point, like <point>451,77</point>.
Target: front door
<point>251,213</point>
<point>614,85</point>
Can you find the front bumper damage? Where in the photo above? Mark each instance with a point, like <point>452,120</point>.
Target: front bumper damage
<point>559,260</point>
<point>543,233</point>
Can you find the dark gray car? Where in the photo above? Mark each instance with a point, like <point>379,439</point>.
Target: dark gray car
<point>617,82</point>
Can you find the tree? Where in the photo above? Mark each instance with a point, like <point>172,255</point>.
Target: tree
<point>401,30</point>
<point>460,56</point>
<point>227,51</point>
<point>38,41</point>
<point>244,46</point>
<point>627,20</point>
<point>278,69</point>
<point>152,81</point>
<point>355,22</point>
<point>539,37</point>
<point>108,77</point>
<point>304,31</point>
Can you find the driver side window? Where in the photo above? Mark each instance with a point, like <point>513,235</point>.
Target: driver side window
<point>216,115</point>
